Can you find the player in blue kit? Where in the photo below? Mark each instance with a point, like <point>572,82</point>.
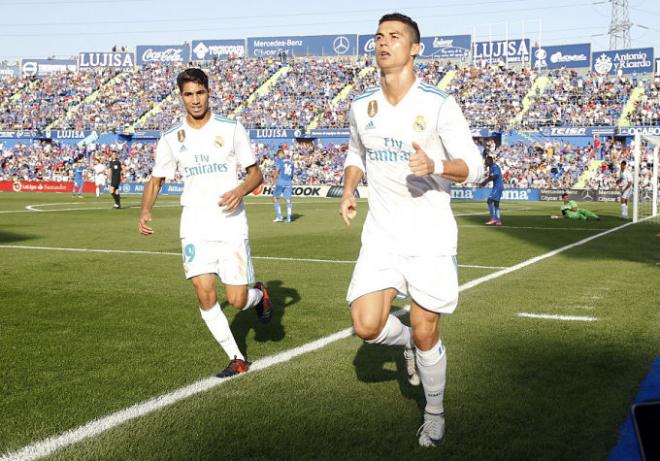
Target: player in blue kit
<point>282,180</point>
<point>78,171</point>
<point>495,175</point>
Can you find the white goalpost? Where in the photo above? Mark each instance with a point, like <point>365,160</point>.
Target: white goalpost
<point>645,177</point>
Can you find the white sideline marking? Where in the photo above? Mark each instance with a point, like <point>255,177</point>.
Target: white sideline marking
<point>538,228</point>
<point>47,446</point>
<point>169,253</point>
<point>574,318</point>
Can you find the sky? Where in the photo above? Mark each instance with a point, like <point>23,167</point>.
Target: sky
<point>63,28</point>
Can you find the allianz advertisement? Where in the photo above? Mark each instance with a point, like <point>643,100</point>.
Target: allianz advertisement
<point>42,67</point>
<point>206,50</point>
<point>509,51</point>
<point>121,60</point>
<point>556,57</point>
<point>637,60</point>
<point>439,47</point>
<point>162,53</point>
<point>316,45</point>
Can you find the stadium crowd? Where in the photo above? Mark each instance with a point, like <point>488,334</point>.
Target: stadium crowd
<point>574,99</point>
<point>648,110</point>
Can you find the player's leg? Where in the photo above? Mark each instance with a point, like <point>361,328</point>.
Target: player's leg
<point>496,207</point>
<point>433,287</point>
<point>491,211</point>
<point>118,197</point>
<point>588,214</point>
<point>277,193</point>
<point>98,190</point>
<point>237,272</point>
<point>205,288</point>
<point>624,206</point>
<point>289,205</point>
<point>432,369</point>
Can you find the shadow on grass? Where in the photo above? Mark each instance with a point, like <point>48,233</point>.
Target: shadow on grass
<point>11,237</point>
<point>635,243</point>
<point>282,297</point>
<point>375,363</point>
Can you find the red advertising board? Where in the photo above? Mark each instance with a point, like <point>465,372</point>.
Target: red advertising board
<point>43,186</point>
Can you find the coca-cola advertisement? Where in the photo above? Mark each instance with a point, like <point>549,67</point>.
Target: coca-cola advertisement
<point>162,53</point>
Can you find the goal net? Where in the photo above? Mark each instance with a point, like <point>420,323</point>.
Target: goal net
<point>645,177</point>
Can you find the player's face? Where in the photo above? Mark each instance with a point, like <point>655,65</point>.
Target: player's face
<point>394,45</point>
<point>195,99</point>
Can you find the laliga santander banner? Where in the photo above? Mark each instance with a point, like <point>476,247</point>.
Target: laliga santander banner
<point>43,186</point>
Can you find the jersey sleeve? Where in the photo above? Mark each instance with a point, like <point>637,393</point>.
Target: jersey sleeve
<point>356,155</point>
<point>165,164</point>
<point>455,134</point>
<point>242,147</point>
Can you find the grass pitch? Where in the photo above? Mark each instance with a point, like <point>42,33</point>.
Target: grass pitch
<point>84,334</point>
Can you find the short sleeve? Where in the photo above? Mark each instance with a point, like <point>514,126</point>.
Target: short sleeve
<point>356,155</point>
<point>165,164</point>
<point>242,147</point>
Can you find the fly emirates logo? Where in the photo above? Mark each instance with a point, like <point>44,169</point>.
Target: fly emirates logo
<point>203,166</point>
<point>393,150</point>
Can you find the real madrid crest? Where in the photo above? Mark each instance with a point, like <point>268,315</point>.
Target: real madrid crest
<point>219,141</point>
<point>420,123</point>
<point>372,108</point>
<point>181,135</point>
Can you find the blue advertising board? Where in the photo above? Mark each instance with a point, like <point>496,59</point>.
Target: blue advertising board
<point>439,47</point>
<point>42,67</point>
<point>555,57</point>
<point>9,71</point>
<point>116,59</point>
<point>482,193</point>
<point>577,131</point>
<point>328,133</point>
<point>636,60</point>
<point>18,134</point>
<point>509,51</point>
<point>274,133</point>
<point>446,47</point>
<point>645,130</point>
<point>314,45</point>
<point>162,53</point>
<point>205,50</point>
<point>169,188</point>
<point>66,134</point>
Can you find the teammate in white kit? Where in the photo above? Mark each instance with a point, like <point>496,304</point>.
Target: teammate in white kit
<point>412,141</point>
<point>208,149</point>
<point>100,177</point>
<point>625,182</point>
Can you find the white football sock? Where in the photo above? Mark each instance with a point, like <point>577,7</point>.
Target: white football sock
<point>289,209</point>
<point>219,326</point>
<point>254,297</point>
<point>394,333</point>
<point>624,211</point>
<point>432,369</point>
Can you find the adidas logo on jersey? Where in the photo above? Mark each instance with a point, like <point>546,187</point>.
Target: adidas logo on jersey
<point>370,126</point>
<point>183,148</point>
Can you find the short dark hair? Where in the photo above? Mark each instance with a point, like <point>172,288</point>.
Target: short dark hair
<point>624,163</point>
<point>192,75</point>
<point>407,20</point>
<point>565,194</point>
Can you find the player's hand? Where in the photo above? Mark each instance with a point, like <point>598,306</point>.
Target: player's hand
<point>143,228</point>
<point>230,200</point>
<point>420,163</point>
<point>348,209</point>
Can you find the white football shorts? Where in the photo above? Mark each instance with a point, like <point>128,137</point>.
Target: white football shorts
<point>100,180</point>
<point>626,194</point>
<point>431,281</point>
<point>231,260</point>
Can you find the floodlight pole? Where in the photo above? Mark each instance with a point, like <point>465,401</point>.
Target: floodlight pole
<point>636,156</point>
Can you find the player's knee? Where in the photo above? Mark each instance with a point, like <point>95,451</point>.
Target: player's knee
<point>425,339</point>
<point>365,331</point>
<point>237,299</point>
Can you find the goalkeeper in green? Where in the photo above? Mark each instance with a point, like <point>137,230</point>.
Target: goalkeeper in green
<point>570,210</point>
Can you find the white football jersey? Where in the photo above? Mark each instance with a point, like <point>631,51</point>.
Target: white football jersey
<point>409,215</point>
<point>99,168</point>
<point>208,159</point>
<point>626,178</point>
